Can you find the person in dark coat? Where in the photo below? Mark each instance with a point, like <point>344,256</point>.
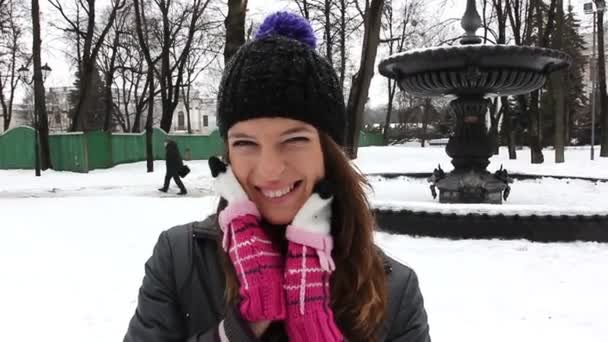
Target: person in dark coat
<point>182,297</point>
<point>173,162</point>
<point>290,253</point>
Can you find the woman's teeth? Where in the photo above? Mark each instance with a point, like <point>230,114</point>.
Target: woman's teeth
<point>278,193</point>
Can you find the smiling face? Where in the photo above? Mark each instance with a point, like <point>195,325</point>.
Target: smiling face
<point>277,161</point>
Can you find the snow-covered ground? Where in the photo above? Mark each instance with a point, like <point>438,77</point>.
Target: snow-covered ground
<point>547,196</point>
<point>409,159</point>
<point>73,248</point>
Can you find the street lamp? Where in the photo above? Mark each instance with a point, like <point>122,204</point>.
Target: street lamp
<point>24,76</point>
<point>46,70</point>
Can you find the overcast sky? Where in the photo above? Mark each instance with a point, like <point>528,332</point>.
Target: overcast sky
<point>54,45</point>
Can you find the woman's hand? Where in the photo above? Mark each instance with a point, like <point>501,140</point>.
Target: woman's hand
<point>307,271</point>
<point>257,261</point>
<point>226,184</point>
<point>312,224</point>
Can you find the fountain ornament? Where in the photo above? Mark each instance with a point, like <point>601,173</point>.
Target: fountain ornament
<point>470,73</point>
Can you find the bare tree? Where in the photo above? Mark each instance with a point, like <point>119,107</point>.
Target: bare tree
<point>198,61</point>
<point>149,118</point>
<point>521,15</point>
<point>359,90</point>
<point>499,105</point>
<point>557,85</point>
<point>108,57</point>
<point>11,55</point>
<point>336,22</point>
<point>601,71</point>
<point>543,22</point>
<point>235,27</point>
<point>92,42</point>
<point>178,25</point>
<point>132,81</point>
<point>397,30</point>
<point>39,99</point>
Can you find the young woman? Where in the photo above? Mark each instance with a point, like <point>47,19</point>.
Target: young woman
<point>290,254</point>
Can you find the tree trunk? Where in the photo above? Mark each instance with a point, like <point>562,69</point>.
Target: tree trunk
<point>39,98</point>
<point>507,124</point>
<point>79,122</point>
<point>187,104</point>
<point>496,112</point>
<point>12,78</point>
<point>360,85</point>
<point>536,151</point>
<point>166,77</point>
<point>494,140</point>
<point>141,103</point>
<point>343,9</point>
<point>328,37</point>
<point>149,150</point>
<point>557,85</point>
<point>425,120</point>
<point>109,108</point>
<point>496,109</point>
<point>6,116</point>
<point>170,74</point>
<point>136,122</point>
<point>90,51</point>
<point>603,98</point>
<point>235,27</point>
<point>389,110</point>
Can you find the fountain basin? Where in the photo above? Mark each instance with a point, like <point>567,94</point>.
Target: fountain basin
<point>473,70</point>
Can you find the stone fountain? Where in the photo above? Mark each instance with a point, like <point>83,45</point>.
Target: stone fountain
<point>470,73</point>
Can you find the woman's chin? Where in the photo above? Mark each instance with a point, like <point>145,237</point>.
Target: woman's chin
<point>278,218</point>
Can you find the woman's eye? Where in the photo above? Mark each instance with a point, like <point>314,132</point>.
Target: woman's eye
<point>243,143</point>
<point>297,140</point>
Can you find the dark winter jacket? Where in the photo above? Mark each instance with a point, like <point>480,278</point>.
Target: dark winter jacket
<point>173,159</point>
<point>182,296</point>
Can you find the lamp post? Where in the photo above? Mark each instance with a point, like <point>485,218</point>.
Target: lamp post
<point>24,76</point>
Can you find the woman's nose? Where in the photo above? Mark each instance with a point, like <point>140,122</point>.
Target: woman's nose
<point>271,164</point>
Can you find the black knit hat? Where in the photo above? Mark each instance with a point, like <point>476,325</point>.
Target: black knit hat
<point>280,74</point>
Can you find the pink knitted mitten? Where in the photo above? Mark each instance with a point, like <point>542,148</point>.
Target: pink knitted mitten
<point>309,317</point>
<point>307,272</point>
<point>257,262</point>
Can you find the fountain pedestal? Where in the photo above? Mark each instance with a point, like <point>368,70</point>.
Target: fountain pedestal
<point>470,148</point>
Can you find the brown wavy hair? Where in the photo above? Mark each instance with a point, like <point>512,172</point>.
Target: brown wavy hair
<point>358,285</point>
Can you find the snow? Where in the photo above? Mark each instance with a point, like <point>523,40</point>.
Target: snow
<point>126,179</point>
<point>73,250</point>
<point>491,290</point>
<point>410,159</point>
<point>548,196</point>
<point>71,272</point>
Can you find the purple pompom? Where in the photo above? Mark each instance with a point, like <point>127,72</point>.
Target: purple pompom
<point>288,25</point>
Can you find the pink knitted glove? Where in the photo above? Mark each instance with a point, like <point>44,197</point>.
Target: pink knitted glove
<point>307,272</point>
<point>257,262</point>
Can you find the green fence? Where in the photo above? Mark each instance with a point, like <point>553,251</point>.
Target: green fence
<point>370,139</point>
<point>17,148</point>
<point>69,152</point>
<point>128,147</point>
<point>81,152</point>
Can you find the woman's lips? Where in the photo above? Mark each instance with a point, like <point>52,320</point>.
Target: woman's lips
<point>279,195</point>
